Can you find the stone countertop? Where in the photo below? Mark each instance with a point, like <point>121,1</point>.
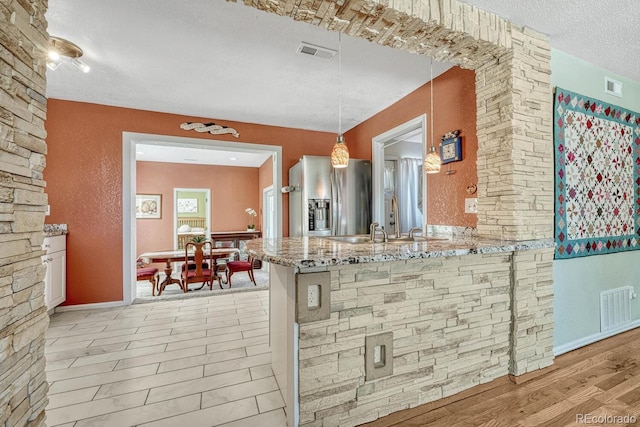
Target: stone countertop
<point>54,230</point>
<point>306,252</point>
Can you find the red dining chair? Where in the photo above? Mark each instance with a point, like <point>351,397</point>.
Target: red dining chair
<point>200,269</point>
<point>147,273</point>
<point>235,266</point>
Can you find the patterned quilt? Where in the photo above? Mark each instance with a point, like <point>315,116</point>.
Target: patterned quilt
<point>597,176</point>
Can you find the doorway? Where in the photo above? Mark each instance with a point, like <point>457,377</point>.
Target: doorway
<point>129,142</point>
<point>268,217</point>
<point>191,213</point>
<point>397,157</point>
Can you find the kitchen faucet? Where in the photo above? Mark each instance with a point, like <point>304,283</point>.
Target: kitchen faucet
<point>413,230</point>
<point>394,209</point>
<point>372,232</point>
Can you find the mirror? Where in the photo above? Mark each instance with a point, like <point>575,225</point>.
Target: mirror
<point>397,173</point>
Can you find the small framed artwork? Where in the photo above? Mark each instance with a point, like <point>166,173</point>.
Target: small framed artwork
<point>149,206</point>
<point>451,150</point>
<point>187,205</point>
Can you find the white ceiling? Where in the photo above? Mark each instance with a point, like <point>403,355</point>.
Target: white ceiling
<point>227,61</point>
<point>602,32</point>
<point>209,156</point>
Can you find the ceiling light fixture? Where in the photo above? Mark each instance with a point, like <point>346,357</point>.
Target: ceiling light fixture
<point>432,161</point>
<point>340,152</point>
<point>60,50</point>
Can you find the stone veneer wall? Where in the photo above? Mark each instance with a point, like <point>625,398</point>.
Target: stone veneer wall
<point>513,93</point>
<point>23,315</point>
<point>457,322</point>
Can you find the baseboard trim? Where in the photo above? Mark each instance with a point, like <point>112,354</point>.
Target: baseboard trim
<point>91,306</point>
<point>523,378</point>
<point>570,346</point>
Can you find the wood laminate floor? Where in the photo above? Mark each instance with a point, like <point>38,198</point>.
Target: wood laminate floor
<point>589,386</point>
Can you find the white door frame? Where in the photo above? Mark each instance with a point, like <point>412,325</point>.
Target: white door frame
<point>207,225</point>
<point>129,142</point>
<point>377,165</point>
<point>266,215</point>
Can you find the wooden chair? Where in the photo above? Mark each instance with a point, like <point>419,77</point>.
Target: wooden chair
<point>200,269</point>
<point>222,262</point>
<point>235,266</point>
<point>147,273</point>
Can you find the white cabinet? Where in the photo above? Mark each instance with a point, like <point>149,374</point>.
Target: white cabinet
<point>55,280</point>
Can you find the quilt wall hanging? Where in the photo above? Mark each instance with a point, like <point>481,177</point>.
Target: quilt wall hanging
<point>597,176</point>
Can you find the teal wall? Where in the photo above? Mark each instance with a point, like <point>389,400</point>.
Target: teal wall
<point>578,282</point>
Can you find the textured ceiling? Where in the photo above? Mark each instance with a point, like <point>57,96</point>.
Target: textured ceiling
<point>603,32</point>
<point>226,61</point>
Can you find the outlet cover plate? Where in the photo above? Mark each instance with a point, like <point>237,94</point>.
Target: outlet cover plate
<point>320,284</point>
<point>471,205</point>
<point>373,370</point>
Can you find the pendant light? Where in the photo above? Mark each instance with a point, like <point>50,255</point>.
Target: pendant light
<point>432,161</point>
<point>340,152</point>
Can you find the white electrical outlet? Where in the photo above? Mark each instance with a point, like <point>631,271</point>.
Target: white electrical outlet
<point>471,205</point>
<point>313,296</point>
<point>48,210</point>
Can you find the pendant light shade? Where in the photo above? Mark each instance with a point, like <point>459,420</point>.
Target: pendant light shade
<point>340,153</point>
<point>432,160</point>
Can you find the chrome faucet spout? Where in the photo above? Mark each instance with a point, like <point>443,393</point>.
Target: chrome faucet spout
<point>413,230</point>
<point>394,209</point>
<point>372,232</point>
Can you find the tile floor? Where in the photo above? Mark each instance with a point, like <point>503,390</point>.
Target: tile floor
<point>192,362</point>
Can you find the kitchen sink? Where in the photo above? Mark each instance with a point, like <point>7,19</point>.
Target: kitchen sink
<point>364,238</point>
<point>355,238</point>
<point>403,239</point>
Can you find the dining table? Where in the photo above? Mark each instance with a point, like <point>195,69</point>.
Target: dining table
<point>172,256</point>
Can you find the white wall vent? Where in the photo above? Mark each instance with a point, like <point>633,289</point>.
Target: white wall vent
<point>612,87</point>
<point>615,307</point>
<point>317,51</point>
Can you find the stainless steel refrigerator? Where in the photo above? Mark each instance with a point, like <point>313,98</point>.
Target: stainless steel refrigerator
<point>324,201</point>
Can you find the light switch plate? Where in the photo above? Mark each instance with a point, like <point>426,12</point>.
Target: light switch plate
<point>471,205</point>
<point>378,356</point>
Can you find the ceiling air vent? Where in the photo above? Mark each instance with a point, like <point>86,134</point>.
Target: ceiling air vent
<point>612,87</point>
<point>317,51</point>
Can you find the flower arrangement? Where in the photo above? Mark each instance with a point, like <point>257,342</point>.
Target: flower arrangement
<point>252,213</point>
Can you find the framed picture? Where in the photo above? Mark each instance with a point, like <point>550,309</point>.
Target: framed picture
<point>451,150</point>
<point>187,205</point>
<point>149,206</point>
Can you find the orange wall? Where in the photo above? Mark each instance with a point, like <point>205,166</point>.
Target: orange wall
<point>233,189</point>
<point>84,169</point>
<point>84,181</point>
<point>455,108</point>
<point>265,179</point>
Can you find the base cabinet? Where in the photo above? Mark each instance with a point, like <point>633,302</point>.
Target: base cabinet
<point>55,280</point>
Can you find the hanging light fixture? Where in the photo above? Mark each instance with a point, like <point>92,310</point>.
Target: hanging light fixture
<point>432,161</point>
<point>340,152</point>
<point>60,49</point>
